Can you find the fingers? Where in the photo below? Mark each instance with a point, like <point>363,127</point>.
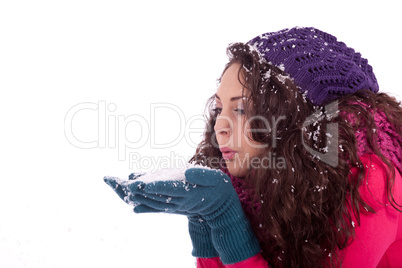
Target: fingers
<point>162,199</point>
<point>157,203</point>
<point>168,188</point>
<point>145,209</point>
<point>205,177</point>
<point>135,175</point>
<point>115,184</point>
<point>111,181</point>
<point>124,189</point>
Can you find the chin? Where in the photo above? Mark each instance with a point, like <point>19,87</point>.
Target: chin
<point>236,171</point>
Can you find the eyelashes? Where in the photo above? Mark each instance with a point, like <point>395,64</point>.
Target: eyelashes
<point>218,111</point>
<point>240,111</point>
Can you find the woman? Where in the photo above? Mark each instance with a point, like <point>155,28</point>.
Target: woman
<point>314,154</point>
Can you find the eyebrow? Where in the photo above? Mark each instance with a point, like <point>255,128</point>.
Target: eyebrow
<point>232,98</point>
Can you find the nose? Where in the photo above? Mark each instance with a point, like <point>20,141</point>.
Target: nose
<point>223,128</point>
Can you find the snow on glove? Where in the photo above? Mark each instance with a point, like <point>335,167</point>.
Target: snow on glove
<point>204,192</point>
<point>199,230</point>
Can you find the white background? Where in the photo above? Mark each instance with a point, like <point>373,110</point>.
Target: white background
<point>55,210</point>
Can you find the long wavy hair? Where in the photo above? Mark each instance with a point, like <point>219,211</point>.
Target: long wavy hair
<point>307,206</point>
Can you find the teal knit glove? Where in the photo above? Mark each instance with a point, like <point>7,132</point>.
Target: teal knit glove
<point>200,234</point>
<point>206,193</point>
<point>199,230</point>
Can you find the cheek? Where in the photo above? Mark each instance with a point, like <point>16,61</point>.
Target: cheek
<point>251,145</point>
<point>252,148</point>
<point>246,142</point>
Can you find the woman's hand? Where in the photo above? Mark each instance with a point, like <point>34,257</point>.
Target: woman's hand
<point>206,193</point>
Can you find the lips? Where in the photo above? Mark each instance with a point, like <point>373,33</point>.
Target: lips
<point>227,153</point>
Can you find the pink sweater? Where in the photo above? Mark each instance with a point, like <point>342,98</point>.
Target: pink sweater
<point>378,241</point>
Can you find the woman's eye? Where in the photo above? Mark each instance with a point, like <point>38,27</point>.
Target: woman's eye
<point>217,111</point>
<point>240,111</point>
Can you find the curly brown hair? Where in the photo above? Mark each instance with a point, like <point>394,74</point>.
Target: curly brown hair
<point>306,207</point>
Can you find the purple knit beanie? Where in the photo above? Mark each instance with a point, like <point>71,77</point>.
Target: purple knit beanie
<point>321,66</point>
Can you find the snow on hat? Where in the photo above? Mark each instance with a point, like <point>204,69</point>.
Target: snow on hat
<point>321,66</point>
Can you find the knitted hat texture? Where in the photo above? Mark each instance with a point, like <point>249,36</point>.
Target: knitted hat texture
<point>321,66</point>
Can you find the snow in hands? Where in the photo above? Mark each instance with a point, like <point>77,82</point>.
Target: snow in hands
<point>137,183</point>
<point>167,174</point>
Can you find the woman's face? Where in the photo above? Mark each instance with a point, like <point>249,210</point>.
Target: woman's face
<point>231,127</point>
